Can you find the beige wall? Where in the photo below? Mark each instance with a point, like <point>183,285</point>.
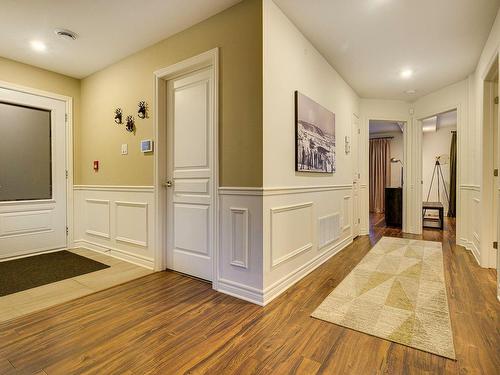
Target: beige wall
<point>40,79</point>
<point>238,33</point>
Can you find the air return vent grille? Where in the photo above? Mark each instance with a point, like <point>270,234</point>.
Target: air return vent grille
<point>328,230</point>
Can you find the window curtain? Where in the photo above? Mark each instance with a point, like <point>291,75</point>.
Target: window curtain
<point>380,172</point>
<point>452,210</point>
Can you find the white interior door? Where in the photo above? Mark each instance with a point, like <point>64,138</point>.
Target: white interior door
<point>356,176</point>
<point>496,178</point>
<point>190,161</point>
<point>32,173</point>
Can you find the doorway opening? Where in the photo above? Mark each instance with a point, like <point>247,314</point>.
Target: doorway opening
<point>386,173</point>
<point>490,192</point>
<point>439,169</point>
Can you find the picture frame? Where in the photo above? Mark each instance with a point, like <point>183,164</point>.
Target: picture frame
<point>314,136</point>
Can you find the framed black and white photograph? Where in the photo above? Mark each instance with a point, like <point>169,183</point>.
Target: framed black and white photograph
<point>314,136</point>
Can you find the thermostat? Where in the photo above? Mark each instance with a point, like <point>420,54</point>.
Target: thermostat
<point>146,145</point>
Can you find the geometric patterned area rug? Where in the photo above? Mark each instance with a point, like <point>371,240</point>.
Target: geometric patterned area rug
<point>397,292</point>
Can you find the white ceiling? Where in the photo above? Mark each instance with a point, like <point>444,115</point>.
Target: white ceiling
<point>369,42</point>
<point>108,30</point>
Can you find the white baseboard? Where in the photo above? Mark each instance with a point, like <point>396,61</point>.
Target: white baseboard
<point>263,297</point>
<point>469,245</point>
<point>274,290</point>
<point>115,253</point>
<point>241,291</point>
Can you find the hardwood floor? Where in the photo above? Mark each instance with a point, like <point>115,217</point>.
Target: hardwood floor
<point>166,323</point>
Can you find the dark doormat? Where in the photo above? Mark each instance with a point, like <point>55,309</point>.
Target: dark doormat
<point>26,273</point>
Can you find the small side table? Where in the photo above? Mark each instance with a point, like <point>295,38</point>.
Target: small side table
<point>433,206</point>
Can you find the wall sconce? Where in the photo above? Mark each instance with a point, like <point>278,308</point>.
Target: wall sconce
<point>143,110</point>
<point>130,126</point>
<point>118,116</point>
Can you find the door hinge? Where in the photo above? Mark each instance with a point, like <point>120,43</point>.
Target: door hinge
<point>359,131</point>
<point>496,100</point>
<point>495,172</point>
<point>67,173</point>
<point>359,220</point>
<point>65,117</point>
<point>67,231</point>
<point>495,244</point>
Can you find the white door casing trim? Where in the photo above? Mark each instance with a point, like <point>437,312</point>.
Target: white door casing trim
<point>69,149</point>
<point>203,60</point>
<point>366,170</point>
<point>418,158</point>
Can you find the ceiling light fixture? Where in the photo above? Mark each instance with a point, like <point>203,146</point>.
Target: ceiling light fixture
<point>411,92</point>
<point>66,34</point>
<point>406,73</point>
<point>38,45</point>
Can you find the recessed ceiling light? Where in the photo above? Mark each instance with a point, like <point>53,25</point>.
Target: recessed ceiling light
<point>411,92</point>
<point>406,73</point>
<point>38,45</point>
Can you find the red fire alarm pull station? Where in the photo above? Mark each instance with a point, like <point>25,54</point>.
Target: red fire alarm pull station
<point>96,165</point>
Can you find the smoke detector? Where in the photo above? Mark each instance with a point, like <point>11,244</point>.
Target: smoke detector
<point>66,34</point>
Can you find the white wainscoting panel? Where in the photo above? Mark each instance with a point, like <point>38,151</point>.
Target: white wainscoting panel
<point>97,217</point>
<point>294,241</point>
<point>347,212</point>
<point>117,220</point>
<point>291,231</point>
<point>240,263</point>
<point>132,222</point>
<point>239,237</point>
<point>269,237</point>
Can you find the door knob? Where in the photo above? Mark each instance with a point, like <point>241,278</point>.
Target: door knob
<point>167,184</point>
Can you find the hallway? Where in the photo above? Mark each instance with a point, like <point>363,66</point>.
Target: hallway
<point>166,322</point>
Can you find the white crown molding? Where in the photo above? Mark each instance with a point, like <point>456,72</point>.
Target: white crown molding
<point>145,189</point>
<point>241,191</point>
<point>282,190</point>
<point>470,187</point>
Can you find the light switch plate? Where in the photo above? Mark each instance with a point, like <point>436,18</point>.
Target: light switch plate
<point>124,149</point>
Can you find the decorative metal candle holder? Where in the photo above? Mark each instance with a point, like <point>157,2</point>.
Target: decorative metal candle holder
<point>143,110</point>
<point>130,125</point>
<point>118,116</point>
